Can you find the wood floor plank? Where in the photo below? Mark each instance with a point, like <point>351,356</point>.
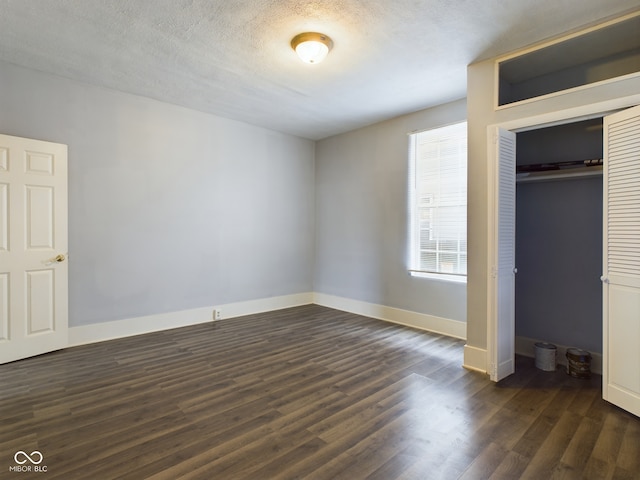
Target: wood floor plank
<point>504,427</point>
<point>598,469</point>
<point>581,445</point>
<point>395,467</point>
<point>511,467</point>
<point>276,467</point>
<point>609,443</point>
<point>306,392</point>
<point>485,464</point>
<point>629,456</point>
<point>547,458</point>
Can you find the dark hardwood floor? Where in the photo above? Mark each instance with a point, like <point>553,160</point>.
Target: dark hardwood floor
<point>307,392</point>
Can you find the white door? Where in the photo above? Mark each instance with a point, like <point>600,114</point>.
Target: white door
<point>501,257</point>
<point>621,260</point>
<point>33,247</point>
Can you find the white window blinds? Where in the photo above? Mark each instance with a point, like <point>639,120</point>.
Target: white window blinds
<point>438,201</point>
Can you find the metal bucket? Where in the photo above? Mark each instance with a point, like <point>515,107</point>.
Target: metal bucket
<point>578,363</point>
<point>546,356</point>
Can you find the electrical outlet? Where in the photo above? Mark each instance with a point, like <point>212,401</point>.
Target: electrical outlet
<point>217,314</point>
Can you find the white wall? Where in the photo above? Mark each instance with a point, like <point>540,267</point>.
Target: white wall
<point>361,218</point>
<point>170,209</point>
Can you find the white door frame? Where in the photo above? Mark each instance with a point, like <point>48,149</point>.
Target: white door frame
<point>559,117</point>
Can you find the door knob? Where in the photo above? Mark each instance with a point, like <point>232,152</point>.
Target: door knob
<point>60,258</point>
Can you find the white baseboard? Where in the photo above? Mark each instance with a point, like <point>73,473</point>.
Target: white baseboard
<point>526,346</point>
<point>475,359</point>
<point>99,332</point>
<point>444,326</point>
<point>250,307</point>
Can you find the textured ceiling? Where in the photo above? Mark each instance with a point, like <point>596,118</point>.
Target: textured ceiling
<point>232,57</point>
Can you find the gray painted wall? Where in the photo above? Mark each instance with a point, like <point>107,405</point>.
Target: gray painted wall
<point>170,208</point>
<point>361,218</point>
<point>559,260</point>
<point>559,240</point>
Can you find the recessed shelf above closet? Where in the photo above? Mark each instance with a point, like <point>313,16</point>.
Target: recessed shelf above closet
<point>598,55</point>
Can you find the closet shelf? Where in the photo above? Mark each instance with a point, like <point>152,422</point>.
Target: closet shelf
<point>559,174</point>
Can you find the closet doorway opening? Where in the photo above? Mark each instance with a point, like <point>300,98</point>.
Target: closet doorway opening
<point>558,239</point>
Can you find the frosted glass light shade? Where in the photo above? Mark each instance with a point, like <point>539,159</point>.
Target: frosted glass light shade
<point>311,47</point>
<point>312,52</point>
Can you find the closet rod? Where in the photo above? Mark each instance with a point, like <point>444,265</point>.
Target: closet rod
<point>560,174</point>
<point>544,167</point>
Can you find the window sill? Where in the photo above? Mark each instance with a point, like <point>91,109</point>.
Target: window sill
<point>440,276</point>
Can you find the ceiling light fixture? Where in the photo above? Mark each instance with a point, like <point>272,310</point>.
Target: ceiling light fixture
<point>311,47</point>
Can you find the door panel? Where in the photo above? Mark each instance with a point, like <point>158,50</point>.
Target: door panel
<point>40,163</point>
<point>39,218</point>
<point>4,307</point>
<point>4,217</point>
<point>621,260</point>
<point>33,231</point>
<point>39,299</point>
<point>624,332</point>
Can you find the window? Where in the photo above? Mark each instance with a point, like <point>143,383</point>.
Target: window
<point>438,203</point>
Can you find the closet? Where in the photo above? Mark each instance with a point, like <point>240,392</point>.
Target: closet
<point>563,256</point>
<point>558,244</point>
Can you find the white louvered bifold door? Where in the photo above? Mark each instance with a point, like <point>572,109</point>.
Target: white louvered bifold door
<point>621,277</point>
<point>501,311</point>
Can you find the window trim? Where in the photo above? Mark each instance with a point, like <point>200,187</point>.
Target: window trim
<point>445,277</point>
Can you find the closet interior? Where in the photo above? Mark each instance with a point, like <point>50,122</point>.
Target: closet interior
<point>558,297</point>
